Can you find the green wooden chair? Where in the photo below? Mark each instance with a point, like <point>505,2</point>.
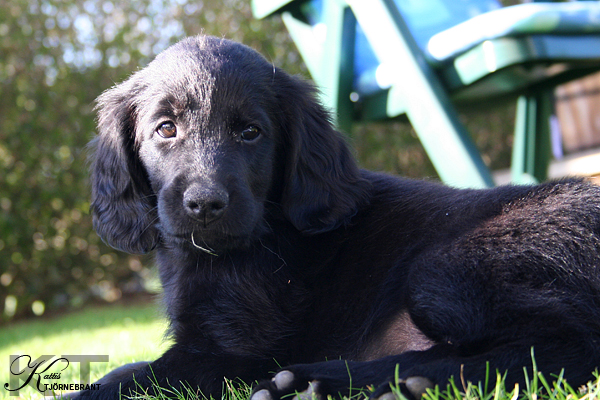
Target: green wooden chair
<point>380,59</point>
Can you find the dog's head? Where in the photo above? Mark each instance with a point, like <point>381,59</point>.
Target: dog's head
<point>194,147</point>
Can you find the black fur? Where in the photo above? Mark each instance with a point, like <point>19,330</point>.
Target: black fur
<point>278,250</point>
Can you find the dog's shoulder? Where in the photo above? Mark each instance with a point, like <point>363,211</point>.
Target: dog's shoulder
<point>569,190</point>
<point>427,206</point>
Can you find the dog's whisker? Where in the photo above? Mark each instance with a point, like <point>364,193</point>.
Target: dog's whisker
<point>206,249</point>
<point>277,254</point>
<point>150,223</point>
<point>148,196</point>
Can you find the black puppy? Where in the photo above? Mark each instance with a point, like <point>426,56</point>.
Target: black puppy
<point>275,249</point>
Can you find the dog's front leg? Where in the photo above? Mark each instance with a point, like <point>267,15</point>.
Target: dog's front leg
<point>180,370</point>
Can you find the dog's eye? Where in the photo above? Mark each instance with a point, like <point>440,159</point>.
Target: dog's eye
<point>250,133</point>
<point>167,130</point>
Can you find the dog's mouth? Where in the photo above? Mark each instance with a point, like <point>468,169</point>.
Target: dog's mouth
<point>229,228</point>
<point>200,242</point>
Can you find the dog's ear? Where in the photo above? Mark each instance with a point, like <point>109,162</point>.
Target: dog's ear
<point>123,204</point>
<point>323,187</point>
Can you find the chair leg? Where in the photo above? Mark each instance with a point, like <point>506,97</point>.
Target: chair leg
<point>330,63</point>
<point>420,94</point>
<point>532,147</point>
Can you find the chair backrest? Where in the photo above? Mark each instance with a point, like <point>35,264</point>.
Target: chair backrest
<point>425,18</point>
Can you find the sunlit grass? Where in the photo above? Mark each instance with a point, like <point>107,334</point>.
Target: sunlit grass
<point>124,333</point>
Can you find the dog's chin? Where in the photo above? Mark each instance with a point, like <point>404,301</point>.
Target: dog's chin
<point>221,244</point>
<point>209,242</point>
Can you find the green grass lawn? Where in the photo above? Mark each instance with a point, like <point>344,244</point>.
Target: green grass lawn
<point>124,333</point>
<point>135,333</point>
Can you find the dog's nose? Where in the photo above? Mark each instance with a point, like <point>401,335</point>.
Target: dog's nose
<point>206,203</point>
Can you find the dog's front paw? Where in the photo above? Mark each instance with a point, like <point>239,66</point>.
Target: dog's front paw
<point>313,381</point>
<point>339,379</point>
<point>286,383</point>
